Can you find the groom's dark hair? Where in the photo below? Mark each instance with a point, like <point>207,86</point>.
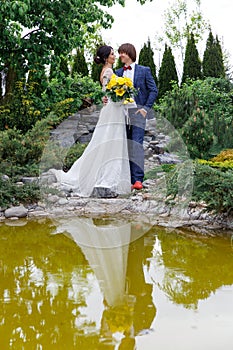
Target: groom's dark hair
<point>129,49</point>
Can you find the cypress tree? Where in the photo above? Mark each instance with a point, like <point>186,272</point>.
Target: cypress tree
<point>64,66</point>
<point>213,65</point>
<point>192,63</point>
<point>219,64</point>
<point>79,65</point>
<point>167,72</point>
<point>95,71</point>
<point>146,58</point>
<point>119,64</point>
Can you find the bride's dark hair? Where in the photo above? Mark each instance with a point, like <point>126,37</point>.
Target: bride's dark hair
<point>102,54</point>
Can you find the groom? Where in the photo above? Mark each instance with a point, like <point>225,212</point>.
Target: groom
<point>138,111</point>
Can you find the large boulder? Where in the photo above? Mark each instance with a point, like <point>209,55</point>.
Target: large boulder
<point>18,211</point>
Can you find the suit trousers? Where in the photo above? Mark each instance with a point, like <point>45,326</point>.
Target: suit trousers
<point>135,134</point>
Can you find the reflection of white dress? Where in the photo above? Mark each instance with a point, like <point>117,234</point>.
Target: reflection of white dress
<point>106,249</point>
<point>104,162</point>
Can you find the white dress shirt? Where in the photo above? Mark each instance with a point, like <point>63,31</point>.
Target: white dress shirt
<point>129,73</point>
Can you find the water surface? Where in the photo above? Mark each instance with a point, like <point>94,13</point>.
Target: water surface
<point>88,283</point>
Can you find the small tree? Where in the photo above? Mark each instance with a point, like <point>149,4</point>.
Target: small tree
<point>64,66</point>
<point>167,72</point>
<point>213,65</point>
<point>146,58</point>
<point>79,65</point>
<point>95,71</point>
<point>198,134</point>
<point>192,63</point>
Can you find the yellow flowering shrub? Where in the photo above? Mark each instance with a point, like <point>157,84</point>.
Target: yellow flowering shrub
<point>224,160</point>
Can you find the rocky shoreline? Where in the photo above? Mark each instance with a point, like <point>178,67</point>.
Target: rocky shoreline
<point>141,206</point>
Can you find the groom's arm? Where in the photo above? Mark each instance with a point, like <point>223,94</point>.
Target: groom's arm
<point>151,89</point>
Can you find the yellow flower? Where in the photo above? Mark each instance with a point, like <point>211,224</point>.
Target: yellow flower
<point>128,82</point>
<point>120,92</point>
<point>121,80</point>
<point>128,100</point>
<point>112,82</point>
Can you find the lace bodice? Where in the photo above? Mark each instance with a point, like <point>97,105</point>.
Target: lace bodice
<point>106,77</point>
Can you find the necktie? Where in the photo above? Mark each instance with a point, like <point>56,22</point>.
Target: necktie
<point>127,67</point>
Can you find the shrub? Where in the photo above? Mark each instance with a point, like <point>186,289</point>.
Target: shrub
<point>198,134</point>
<point>214,187</point>
<point>223,156</point>
<point>211,95</point>
<point>223,161</point>
<point>22,112</point>
<point>12,194</point>
<point>22,152</point>
<point>73,154</point>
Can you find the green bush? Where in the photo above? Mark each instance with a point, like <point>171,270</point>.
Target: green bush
<point>13,194</point>
<point>198,134</point>
<point>211,185</point>
<point>76,87</point>
<point>214,187</point>
<point>211,95</point>
<point>21,112</point>
<point>73,154</point>
<point>21,153</point>
<point>63,96</point>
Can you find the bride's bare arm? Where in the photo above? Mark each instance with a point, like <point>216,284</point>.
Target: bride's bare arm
<point>105,77</point>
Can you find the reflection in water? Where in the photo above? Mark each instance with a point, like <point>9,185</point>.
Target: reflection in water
<point>115,252</point>
<point>194,268</point>
<point>79,292</point>
<point>84,283</point>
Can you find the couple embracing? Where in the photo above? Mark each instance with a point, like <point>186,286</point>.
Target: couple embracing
<point>113,161</point>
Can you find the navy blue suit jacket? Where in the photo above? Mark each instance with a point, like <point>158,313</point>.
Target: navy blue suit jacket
<point>145,84</point>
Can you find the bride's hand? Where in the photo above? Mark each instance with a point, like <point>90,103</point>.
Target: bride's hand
<point>142,111</point>
<point>105,100</point>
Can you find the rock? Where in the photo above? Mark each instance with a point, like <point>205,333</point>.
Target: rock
<point>101,192</point>
<point>62,201</point>
<point>29,180</point>
<point>167,158</point>
<point>5,178</point>
<point>53,198</point>
<point>18,211</point>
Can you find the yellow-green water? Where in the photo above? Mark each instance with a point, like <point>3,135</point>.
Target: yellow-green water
<point>82,283</point>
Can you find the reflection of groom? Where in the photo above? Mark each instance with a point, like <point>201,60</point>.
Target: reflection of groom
<point>145,98</point>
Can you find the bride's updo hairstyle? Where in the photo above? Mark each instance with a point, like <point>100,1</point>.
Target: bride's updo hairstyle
<point>102,54</point>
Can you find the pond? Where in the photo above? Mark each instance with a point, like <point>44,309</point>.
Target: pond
<point>106,283</point>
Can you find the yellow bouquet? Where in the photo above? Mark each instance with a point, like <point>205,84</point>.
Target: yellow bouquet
<point>120,89</point>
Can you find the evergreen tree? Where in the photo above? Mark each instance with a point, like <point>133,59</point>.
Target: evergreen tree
<point>118,64</point>
<point>146,58</point>
<point>95,71</point>
<point>64,66</point>
<point>79,65</point>
<point>167,72</point>
<point>192,63</point>
<point>213,65</point>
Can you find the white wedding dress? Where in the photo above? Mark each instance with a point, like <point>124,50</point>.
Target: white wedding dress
<point>106,249</point>
<point>105,161</point>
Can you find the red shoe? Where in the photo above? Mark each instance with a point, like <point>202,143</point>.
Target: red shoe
<point>138,185</point>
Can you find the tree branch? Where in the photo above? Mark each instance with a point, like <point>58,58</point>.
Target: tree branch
<point>33,31</point>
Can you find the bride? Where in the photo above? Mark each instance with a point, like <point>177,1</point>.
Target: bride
<point>103,169</point>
